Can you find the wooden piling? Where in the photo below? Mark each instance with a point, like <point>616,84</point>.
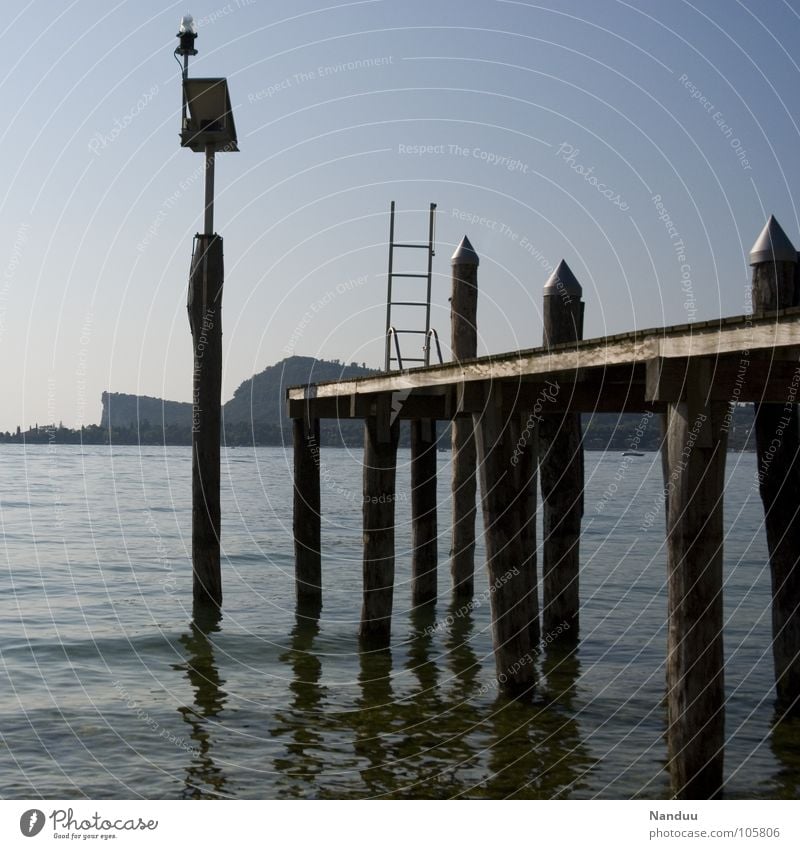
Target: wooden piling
<point>380,460</point>
<point>694,450</point>
<point>464,346</point>
<point>307,518</point>
<point>561,469</point>
<point>774,262</point>
<point>423,512</point>
<point>205,319</point>
<point>503,503</point>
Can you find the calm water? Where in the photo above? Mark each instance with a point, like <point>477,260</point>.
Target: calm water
<point>110,690</point>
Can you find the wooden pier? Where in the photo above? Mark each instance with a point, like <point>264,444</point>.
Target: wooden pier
<point>689,374</point>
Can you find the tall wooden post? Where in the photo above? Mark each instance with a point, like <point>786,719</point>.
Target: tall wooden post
<point>423,512</point>
<point>504,501</point>
<point>694,451</point>
<point>464,345</point>
<point>561,469</point>
<point>380,467</point>
<point>306,522</point>
<point>774,262</point>
<point>205,319</point>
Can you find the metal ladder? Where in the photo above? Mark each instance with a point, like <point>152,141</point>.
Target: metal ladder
<point>393,333</point>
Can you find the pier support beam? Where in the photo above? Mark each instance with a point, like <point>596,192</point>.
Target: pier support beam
<point>205,320</point>
<point>505,498</point>
<point>380,466</point>
<point>774,262</point>
<point>464,346</point>
<point>561,469</point>
<point>307,518</point>
<point>423,512</point>
<point>694,466</point>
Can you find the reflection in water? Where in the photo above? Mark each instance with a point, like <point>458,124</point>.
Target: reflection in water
<point>536,750</point>
<point>204,779</point>
<point>784,745</point>
<point>305,757</point>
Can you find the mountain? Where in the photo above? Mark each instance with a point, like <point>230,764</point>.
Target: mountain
<point>255,415</point>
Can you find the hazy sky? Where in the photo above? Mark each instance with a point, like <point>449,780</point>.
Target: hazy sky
<point>541,131</point>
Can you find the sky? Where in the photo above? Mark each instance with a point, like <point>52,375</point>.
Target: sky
<point>644,142</point>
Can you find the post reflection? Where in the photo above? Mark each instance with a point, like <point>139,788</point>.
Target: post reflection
<point>204,779</point>
<point>303,761</point>
<point>536,750</point>
<point>784,745</point>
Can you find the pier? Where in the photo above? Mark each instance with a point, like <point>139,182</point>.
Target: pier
<point>522,409</point>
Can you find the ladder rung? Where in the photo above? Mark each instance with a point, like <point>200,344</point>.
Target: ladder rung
<point>407,360</point>
<point>409,303</point>
<point>422,332</point>
<point>407,245</point>
<point>395,274</point>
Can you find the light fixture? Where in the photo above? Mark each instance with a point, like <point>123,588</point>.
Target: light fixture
<point>187,33</point>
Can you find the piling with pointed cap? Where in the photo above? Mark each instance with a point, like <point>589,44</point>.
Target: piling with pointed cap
<point>774,262</point>
<point>774,259</point>
<point>561,470</point>
<point>464,345</point>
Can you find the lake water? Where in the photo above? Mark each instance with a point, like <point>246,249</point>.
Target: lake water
<point>110,690</point>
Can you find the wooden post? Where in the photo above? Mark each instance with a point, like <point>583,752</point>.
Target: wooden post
<point>504,502</point>
<point>205,319</point>
<point>774,262</point>
<point>694,451</point>
<point>307,517</point>
<point>561,469</point>
<point>380,461</point>
<point>423,511</point>
<point>464,345</point>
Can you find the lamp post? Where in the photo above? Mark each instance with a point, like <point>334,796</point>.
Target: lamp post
<point>206,127</point>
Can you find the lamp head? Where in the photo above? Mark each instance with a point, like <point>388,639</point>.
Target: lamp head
<point>187,33</point>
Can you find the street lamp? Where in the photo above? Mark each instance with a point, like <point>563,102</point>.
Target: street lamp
<point>206,127</point>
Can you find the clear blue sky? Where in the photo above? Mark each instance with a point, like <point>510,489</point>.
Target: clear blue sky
<point>556,123</point>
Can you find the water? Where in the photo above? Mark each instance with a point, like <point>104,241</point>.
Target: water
<point>110,690</point>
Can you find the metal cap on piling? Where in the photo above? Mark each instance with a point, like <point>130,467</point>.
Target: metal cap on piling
<point>772,245</point>
<point>465,254</point>
<point>563,281</point>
